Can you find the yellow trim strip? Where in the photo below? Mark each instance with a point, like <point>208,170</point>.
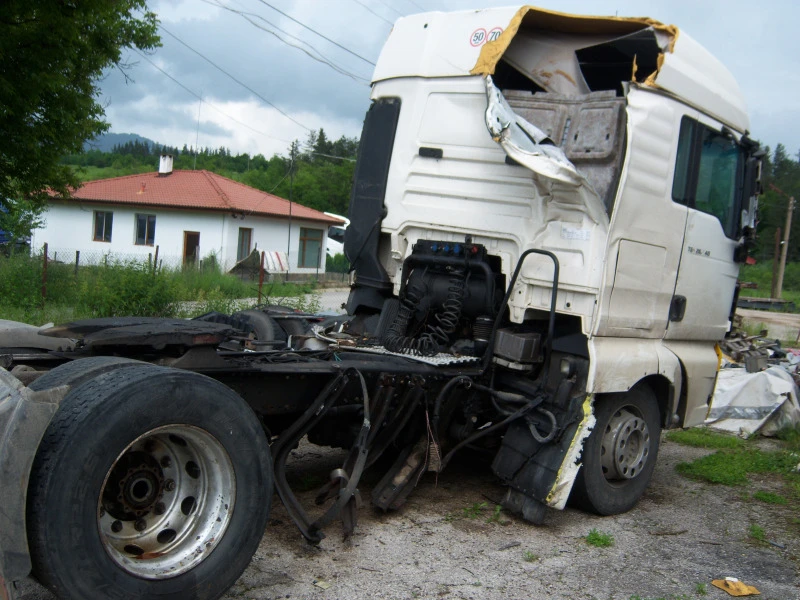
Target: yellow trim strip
<point>552,20</point>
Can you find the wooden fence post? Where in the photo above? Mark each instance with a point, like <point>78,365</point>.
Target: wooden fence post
<point>77,261</point>
<point>155,262</point>
<point>44,274</point>
<point>261,277</point>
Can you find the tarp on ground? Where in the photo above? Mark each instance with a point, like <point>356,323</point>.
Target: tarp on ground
<point>745,403</point>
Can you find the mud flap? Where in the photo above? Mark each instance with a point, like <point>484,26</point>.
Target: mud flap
<point>24,416</point>
<point>541,475</point>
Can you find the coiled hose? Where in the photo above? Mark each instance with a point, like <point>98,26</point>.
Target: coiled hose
<point>447,319</point>
<point>396,339</point>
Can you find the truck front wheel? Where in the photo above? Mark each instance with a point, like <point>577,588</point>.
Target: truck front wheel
<point>149,483</point>
<point>620,454</point>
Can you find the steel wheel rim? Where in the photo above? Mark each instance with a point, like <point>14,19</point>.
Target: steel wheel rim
<point>166,501</point>
<point>625,446</point>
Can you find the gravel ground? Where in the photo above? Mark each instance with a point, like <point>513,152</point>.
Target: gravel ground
<point>680,535</point>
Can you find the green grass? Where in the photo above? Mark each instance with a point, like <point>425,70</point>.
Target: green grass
<point>475,510</point>
<point>761,274</point>
<point>497,516</point>
<point>731,467</point>
<point>701,589</point>
<point>127,288</point>
<point>699,437</point>
<point>598,539</point>
<point>757,533</point>
<point>530,556</point>
<point>770,498</point>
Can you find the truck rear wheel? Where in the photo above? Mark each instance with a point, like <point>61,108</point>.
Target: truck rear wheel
<point>153,482</point>
<point>620,454</point>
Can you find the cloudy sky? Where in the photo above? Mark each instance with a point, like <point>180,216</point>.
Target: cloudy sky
<point>275,92</point>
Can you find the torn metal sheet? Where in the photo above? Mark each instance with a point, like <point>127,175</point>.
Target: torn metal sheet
<point>530,147</point>
<point>559,493</point>
<point>747,403</point>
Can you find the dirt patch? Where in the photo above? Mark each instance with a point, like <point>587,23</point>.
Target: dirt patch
<point>448,542</point>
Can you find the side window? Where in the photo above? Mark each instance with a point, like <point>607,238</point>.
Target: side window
<point>102,226</point>
<point>709,172</point>
<point>145,230</point>
<point>680,183</point>
<point>718,179</point>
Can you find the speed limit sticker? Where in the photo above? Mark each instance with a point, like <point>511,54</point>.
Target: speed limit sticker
<point>479,37</point>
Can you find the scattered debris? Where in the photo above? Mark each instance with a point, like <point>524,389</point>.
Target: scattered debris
<point>323,585</point>
<point>510,545</point>
<point>735,587</point>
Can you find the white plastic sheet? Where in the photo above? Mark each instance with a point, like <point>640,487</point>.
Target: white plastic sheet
<point>745,403</point>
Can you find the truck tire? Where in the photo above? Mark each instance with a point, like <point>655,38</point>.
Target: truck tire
<point>264,326</point>
<point>77,371</point>
<point>150,483</point>
<point>620,454</point>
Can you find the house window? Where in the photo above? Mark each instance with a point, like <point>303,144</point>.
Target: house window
<point>310,245</point>
<point>145,230</point>
<point>709,174</point>
<point>102,225</point>
<point>245,235</point>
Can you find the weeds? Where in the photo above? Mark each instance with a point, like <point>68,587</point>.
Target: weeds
<point>770,498</point>
<point>757,533</point>
<point>129,288</point>
<point>530,556</point>
<point>701,589</point>
<point>475,510</point>
<point>496,516</point>
<point>598,539</point>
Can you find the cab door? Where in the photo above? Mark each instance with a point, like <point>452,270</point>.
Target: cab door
<point>709,177</point>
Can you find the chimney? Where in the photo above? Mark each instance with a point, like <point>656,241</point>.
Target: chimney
<point>165,165</point>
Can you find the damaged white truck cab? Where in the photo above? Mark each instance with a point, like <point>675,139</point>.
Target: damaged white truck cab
<point>545,225</point>
<point>618,145</point>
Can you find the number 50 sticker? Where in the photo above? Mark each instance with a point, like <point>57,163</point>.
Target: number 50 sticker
<point>479,37</point>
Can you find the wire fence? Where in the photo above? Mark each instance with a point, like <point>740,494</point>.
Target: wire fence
<point>253,268</point>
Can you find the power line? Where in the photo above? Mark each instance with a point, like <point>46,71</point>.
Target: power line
<point>244,85</point>
<point>373,12</point>
<point>320,58</point>
<point>417,5</point>
<point>338,45</point>
<point>199,97</point>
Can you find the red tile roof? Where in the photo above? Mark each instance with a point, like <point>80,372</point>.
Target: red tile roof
<point>197,190</point>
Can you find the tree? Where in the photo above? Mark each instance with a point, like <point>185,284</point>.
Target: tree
<point>52,54</point>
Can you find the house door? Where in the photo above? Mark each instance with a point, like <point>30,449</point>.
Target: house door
<point>191,247</point>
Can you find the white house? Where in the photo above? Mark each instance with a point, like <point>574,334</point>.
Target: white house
<point>187,215</point>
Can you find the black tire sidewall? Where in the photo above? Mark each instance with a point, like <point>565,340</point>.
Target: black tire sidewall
<point>593,491</point>
<point>113,410</point>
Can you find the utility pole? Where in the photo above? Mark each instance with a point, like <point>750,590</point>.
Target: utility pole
<point>289,234</point>
<point>785,244</point>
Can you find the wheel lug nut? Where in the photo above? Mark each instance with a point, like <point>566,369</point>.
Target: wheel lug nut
<point>166,462</point>
<point>116,527</point>
<point>169,485</point>
<point>140,525</point>
<point>160,508</point>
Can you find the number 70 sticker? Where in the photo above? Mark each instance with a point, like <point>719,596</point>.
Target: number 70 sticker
<point>479,37</point>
